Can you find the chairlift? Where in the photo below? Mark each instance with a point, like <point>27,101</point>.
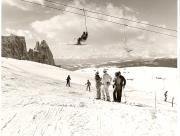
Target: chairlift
<point>125,40</point>
<point>84,35</point>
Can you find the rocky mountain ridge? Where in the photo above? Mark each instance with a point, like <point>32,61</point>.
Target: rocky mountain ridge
<point>41,53</point>
<point>15,47</point>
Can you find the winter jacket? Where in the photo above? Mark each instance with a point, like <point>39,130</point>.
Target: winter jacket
<point>119,81</point>
<point>98,80</point>
<point>88,83</point>
<point>68,78</point>
<point>106,79</point>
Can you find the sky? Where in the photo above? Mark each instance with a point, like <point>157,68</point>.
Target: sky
<point>106,40</point>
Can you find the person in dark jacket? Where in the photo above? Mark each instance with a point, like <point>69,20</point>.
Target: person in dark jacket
<point>88,86</point>
<point>119,84</point>
<point>83,37</point>
<point>115,90</point>
<point>68,80</point>
<point>98,85</point>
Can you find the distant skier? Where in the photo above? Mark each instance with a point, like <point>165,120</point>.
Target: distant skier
<point>106,83</point>
<point>88,86</point>
<point>98,85</point>
<point>119,84</point>
<point>172,101</point>
<point>68,80</point>
<point>165,95</point>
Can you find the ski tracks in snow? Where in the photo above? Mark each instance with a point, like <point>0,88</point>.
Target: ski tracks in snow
<point>9,121</point>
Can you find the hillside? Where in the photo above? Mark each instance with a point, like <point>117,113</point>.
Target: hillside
<point>79,64</point>
<point>36,102</point>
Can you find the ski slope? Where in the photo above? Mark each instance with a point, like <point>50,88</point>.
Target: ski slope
<point>36,102</point>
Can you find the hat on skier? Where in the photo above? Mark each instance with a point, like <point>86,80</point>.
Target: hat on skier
<point>117,74</point>
<point>97,73</point>
<point>104,70</point>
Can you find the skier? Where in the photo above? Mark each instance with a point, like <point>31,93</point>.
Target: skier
<point>119,83</point>
<point>165,95</point>
<point>115,90</point>
<point>106,83</point>
<point>83,37</point>
<point>172,101</point>
<point>88,86</point>
<point>98,85</point>
<point>68,80</point>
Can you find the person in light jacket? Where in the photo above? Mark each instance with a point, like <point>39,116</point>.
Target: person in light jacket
<point>106,83</point>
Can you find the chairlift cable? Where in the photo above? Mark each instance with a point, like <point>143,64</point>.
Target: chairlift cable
<point>85,19</point>
<point>121,18</point>
<point>124,32</point>
<point>100,19</point>
<point>125,39</point>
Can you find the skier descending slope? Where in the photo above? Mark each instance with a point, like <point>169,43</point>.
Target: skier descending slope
<point>106,83</point>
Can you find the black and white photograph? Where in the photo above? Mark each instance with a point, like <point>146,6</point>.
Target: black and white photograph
<point>89,67</point>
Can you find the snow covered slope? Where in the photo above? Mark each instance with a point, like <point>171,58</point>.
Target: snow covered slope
<point>36,102</point>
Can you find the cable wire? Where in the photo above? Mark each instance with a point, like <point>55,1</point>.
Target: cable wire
<point>96,12</point>
<point>34,3</point>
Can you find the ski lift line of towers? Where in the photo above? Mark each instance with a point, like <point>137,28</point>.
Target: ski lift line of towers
<point>153,31</point>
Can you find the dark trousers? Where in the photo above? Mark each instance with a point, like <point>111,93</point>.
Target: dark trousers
<point>117,94</point>
<point>88,88</point>
<point>79,41</point>
<point>98,91</point>
<point>68,83</point>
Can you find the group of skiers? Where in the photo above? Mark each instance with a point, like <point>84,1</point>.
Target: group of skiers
<point>119,84</point>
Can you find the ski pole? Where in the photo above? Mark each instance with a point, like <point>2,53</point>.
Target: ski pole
<point>125,97</point>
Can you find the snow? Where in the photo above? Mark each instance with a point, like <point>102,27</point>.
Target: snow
<point>36,102</point>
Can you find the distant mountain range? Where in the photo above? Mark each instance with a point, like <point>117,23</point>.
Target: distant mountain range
<point>79,64</point>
